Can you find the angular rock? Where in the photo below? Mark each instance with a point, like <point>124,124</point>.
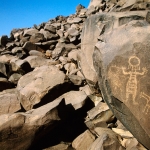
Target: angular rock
<point>33,86</point>
<point>31,46</point>
<point>107,140</point>
<point>3,69</point>
<point>3,40</point>
<point>76,80</point>
<point>48,35</point>
<point>74,20</point>
<point>123,71</point>
<point>83,141</point>
<point>16,50</point>
<point>36,61</point>
<point>9,102</point>
<point>36,37</point>
<point>36,53</point>
<point>6,58</point>
<point>50,28</point>
<point>29,32</point>
<point>18,65</point>
<point>14,78</point>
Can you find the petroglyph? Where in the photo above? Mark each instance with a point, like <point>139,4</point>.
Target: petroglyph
<point>147,98</point>
<point>131,86</point>
<point>114,73</point>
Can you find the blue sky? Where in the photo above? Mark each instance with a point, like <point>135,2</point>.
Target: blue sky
<point>26,13</point>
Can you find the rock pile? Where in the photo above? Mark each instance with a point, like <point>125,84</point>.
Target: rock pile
<point>49,95</point>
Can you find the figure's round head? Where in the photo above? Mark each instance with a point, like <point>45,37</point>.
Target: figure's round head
<point>134,61</point>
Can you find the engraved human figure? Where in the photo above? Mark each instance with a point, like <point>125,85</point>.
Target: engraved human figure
<point>147,106</point>
<point>131,86</point>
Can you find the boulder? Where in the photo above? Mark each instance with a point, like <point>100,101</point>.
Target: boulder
<point>36,53</point>
<point>33,86</point>
<point>123,72</point>
<point>9,102</point>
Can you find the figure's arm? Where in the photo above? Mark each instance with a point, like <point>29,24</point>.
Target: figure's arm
<point>144,71</point>
<point>124,72</point>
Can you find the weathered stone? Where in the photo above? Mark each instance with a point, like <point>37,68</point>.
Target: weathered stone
<point>36,37</point>
<point>33,86</point>
<point>3,40</point>
<point>20,130</point>
<point>83,141</point>
<point>59,147</point>
<point>3,70</point>
<point>18,65</point>
<point>29,32</point>
<point>123,70</point>
<point>14,78</point>
<point>107,140</point>
<point>74,20</point>
<point>30,46</point>
<point>75,98</point>
<point>122,133</point>
<point>79,7</point>
<point>6,58</point>
<point>73,32</point>
<point>16,50</point>
<point>50,28</point>
<point>36,61</point>
<point>76,80</point>
<point>48,35</point>
<point>36,53</point>
<point>9,102</point>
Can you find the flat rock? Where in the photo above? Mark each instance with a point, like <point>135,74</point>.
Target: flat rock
<point>9,102</point>
<point>33,86</point>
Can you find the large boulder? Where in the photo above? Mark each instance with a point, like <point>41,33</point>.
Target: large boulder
<point>123,72</point>
<point>95,26</point>
<point>33,86</point>
<point>19,130</point>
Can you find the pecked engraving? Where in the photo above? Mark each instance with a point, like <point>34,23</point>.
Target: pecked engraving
<point>147,98</point>
<point>131,86</point>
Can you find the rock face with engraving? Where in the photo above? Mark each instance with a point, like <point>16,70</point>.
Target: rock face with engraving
<point>123,71</point>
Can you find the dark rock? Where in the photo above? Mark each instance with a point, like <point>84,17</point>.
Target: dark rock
<point>5,84</point>
<point>3,40</point>
<point>123,71</point>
